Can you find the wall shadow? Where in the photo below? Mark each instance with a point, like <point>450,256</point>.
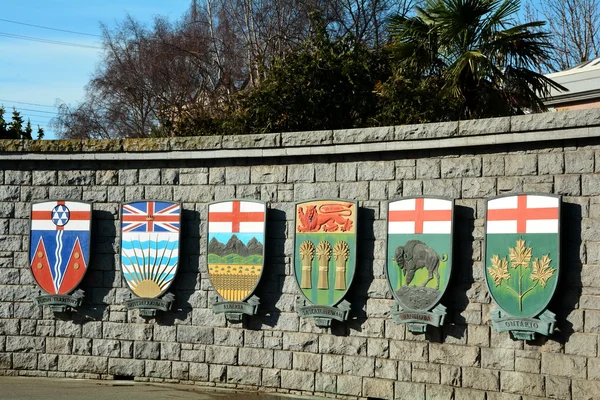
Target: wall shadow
<point>271,286</point>
<point>187,280</point>
<point>569,288</point>
<point>357,294</point>
<point>461,279</point>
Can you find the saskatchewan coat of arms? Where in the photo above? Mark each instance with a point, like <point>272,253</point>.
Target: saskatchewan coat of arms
<point>59,250</point>
<point>419,259</point>
<point>236,249</point>
<point>325,258</point>
<point>522,238</point>
<point>150,252</point>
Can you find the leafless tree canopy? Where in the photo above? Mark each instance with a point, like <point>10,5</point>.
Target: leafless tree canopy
<point>151,77</point>
<point>575,26</point>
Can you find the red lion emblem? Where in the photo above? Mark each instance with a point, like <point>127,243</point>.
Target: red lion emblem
<point>329,217</point>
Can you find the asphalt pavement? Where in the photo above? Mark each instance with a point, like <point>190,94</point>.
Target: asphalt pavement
<point>29,388</point>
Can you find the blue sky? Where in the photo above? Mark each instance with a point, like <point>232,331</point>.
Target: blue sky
<point>41,73</point>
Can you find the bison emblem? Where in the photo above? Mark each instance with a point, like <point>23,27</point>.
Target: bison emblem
<point>415,255</point>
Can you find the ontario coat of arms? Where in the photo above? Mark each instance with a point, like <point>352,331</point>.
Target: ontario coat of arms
<point>150,252</point>
<point>419,259</point>
<point>59,250</point>
<point>522,261</point>
<point>236,243</point>
<point>325,258</point>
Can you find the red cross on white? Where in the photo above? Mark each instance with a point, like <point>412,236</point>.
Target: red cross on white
<point>523,214</point>
<point>420,215</point>
<point>236,216</point>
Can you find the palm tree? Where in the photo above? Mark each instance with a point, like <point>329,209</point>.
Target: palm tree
<point>486,60</point>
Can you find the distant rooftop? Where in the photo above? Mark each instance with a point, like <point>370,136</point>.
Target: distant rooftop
<point>583,82</point>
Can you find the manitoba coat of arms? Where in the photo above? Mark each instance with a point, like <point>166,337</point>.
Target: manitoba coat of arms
<point>60,250</point>
<point>522,261</point>
<point>236,243</point>
<point>325,258</point>
<point>419,259</point>
<point>150,252</point>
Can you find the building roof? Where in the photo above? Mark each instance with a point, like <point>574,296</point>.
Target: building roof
<point>583,82</point>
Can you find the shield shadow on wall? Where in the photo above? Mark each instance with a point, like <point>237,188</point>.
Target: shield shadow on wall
<point>235,255</point>
<point>419,259</point>
<point>59,250</point>
<point>325,258</point>
<point>150,235</point>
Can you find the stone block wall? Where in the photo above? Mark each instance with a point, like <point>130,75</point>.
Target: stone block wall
<point>367,357</point>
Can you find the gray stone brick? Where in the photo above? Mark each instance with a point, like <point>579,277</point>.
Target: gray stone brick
<point>195,334</point>
<point>520,164</point>
<point>24,344</point>
<point>570,366</point>
<point>493,165</point>
<point>453,354</point>
<point>557,387</point>
<point>307,362</point>
<point>551,163</point>
<point>349,385</point>
<point>585,390</point>
<point>521,383</point>
<point>346,172</point>
<point>450,375</point>
<point>358,366</point>
<point>409,351</point>
<point>128,177</point>
<point>157,369</point>
<point>428,168</point>
<point>300,341</point>
<point>324,383</point>
<point>43,178</point>
<point>14,177</point>
<point>59,345</point>
<point>329,344</point>
<point>579,162</point>
<point>498,359</point>
<point>300,173</point>
<point>376,170</point>
<point>76,178</point>
<point>221,355</point>
<point>198,372</point>
<point>482,379</point>
<point>106,177</point>
<point>268,174</point>
<point>283,359</point>
<point>467,394</point>
<point>298,380</point>
<point>146,350</point>
<point>582,344</point>
<point>478,188</point>
<point>425,372</point>
<point>409,391</point>
<point>255,357</point>
<point>435,392</point>
<point>94,365</point>
<point>354,190</point>
<point>331,363</point>
<point>149,176</point>
<point>461,167</point>
<point>126,367</point>
<point>27,361</point>
<point>378,388</point>
<point>243,375</point>
<point>443,187</point>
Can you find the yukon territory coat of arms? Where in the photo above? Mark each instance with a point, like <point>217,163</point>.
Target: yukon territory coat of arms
<point>419,254</point>
<point>59,250</point>
<point>522,262</point>
<point>324,258</point>
<point>150,252</point>
<point>236,243</point>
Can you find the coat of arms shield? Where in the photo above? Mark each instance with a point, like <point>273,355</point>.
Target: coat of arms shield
<point>522,244</point>
<point>419,259</point>
<point>59,249</point>
<point>325,257</point>
<point>236,248</point>
<point>150,252</point>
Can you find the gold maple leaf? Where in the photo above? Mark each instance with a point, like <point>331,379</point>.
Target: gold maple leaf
<point>542,271</point>
<point>499,269</point>
<point>520,255</point>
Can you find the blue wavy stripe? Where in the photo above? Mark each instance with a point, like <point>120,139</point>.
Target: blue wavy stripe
<point>149,244</point>
<point>149,261</point>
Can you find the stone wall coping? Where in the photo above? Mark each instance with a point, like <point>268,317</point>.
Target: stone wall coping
<point>456,134</point>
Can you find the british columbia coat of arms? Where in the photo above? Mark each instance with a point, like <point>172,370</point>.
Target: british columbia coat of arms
<point>522,261</point>
<point>150,252</point>
<point>325,258</point>
<point>59,250</point>
<point>419,259</point>
<point>236,252</point>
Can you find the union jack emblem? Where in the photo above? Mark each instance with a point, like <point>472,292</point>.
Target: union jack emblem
<point>151,216</point>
